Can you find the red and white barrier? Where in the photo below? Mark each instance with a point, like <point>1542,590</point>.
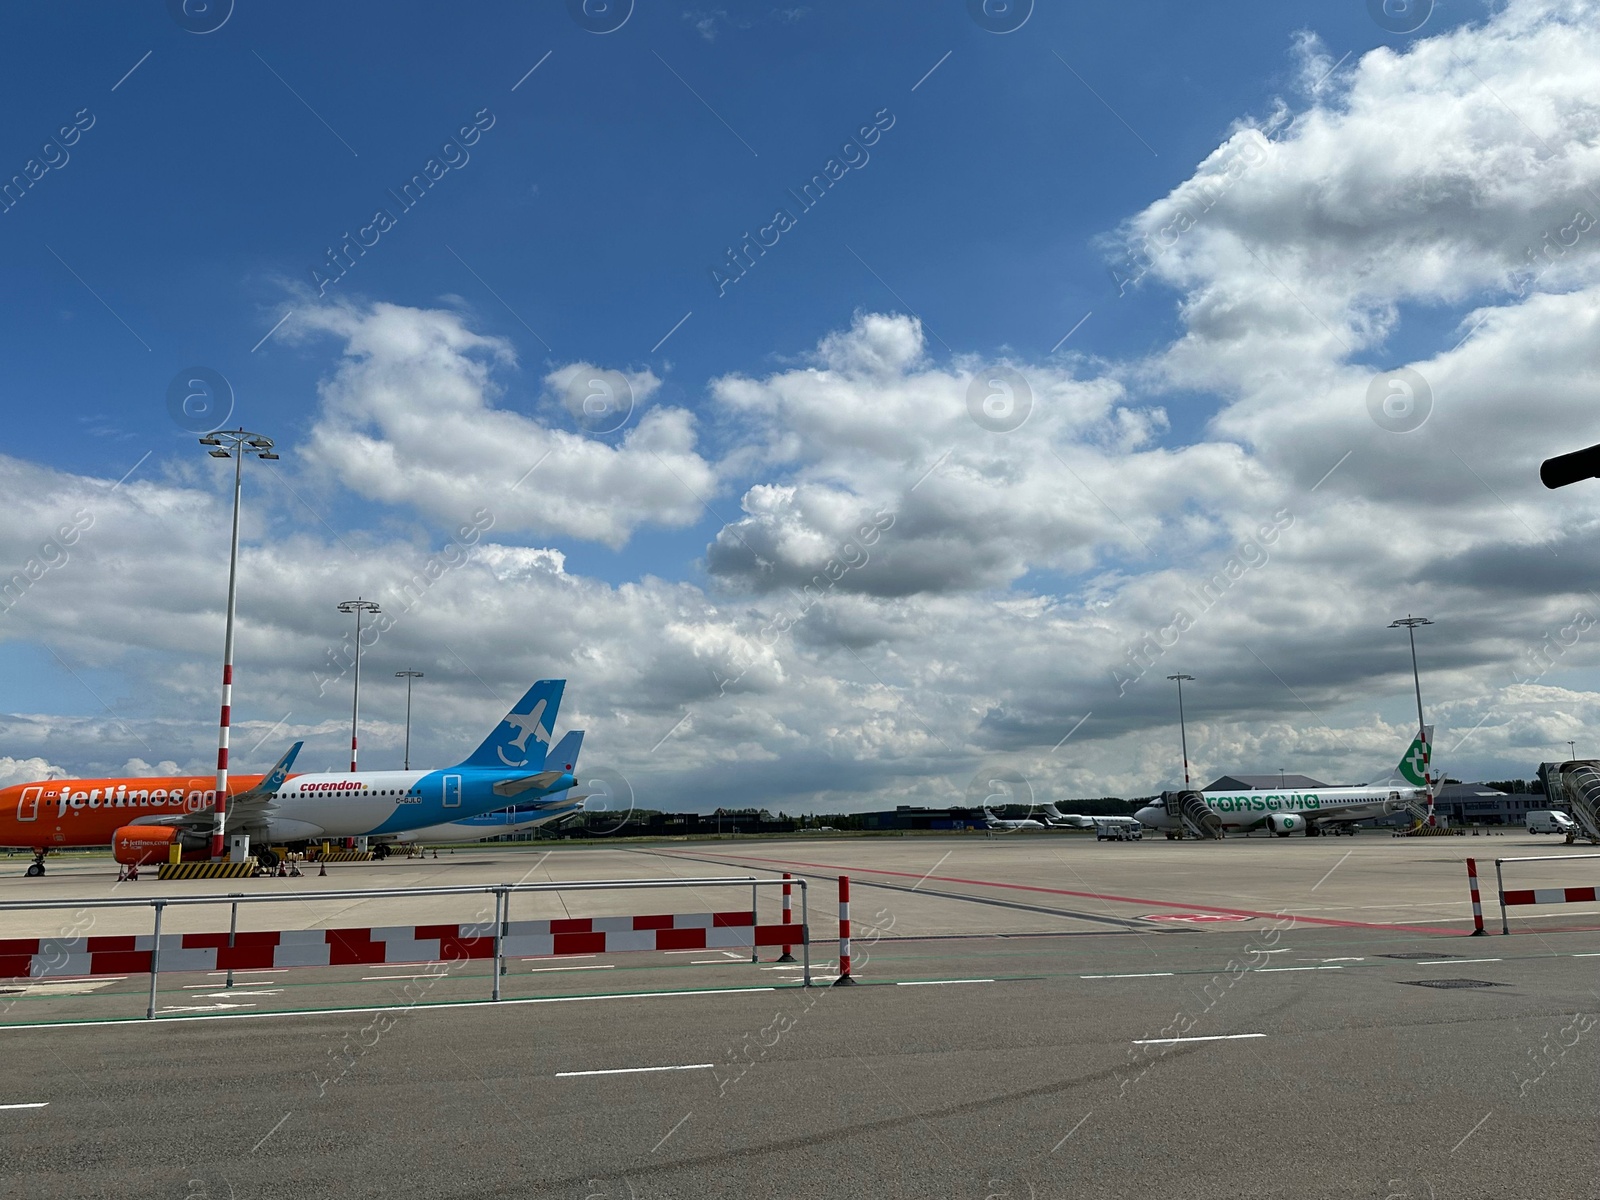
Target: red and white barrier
<point>1550,896</point>
<point>36,958</point>
<point>788,918</point>
<point>1555,895</point>
<point>1477,904</point>
<point>844,933</point>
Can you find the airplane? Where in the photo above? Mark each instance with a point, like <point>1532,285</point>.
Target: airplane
<point>1054,818</point>
<point>1314,810</point>
<point>517,819</point>
<point>143,819</point>
<point>990,821</point>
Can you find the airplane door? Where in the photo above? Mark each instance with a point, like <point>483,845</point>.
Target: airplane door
<point>452,791</point>
<point>28,806</point>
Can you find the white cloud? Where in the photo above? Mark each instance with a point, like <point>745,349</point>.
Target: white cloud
<point>412,417</point>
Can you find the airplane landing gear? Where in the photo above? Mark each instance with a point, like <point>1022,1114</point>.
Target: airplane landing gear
<point>36,867</point>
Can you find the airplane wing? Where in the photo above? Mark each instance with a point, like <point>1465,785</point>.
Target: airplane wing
<point>515,787</point>
<point>247,808</point>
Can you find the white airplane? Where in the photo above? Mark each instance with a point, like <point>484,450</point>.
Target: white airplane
<point>990,821</point>
<point>1313,811</point>
<point>1054,818</point>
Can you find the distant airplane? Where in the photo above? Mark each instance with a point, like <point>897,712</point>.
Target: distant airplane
<point>142,819</point>
<point>990,821</point>
<point>1054,818</point>
<point>1313,811</point>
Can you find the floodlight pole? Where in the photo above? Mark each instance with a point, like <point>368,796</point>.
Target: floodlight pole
<point>1183,732</point>
<point>1409,624</point>
<point>408,676</point>
<point>234,444</point>
<point>357,606</point>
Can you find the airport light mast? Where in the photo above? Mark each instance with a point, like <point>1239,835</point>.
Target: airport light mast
<point>359,607</point>
<point>408,676</point>
<point>1183,733</point>
<point>234,444</point>
<point>1409,624</point>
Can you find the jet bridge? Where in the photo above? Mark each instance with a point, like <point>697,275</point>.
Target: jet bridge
<point>1577,784</point>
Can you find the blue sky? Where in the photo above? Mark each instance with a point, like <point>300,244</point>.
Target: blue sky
<point>606,177</point>
<point>604,193</point>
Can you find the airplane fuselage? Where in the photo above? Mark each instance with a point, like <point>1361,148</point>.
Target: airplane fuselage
<point>87,812</point>
<point>1245,811</point>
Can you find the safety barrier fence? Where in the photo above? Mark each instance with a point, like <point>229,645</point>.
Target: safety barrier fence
<point>497,938</point>
<point>1557,895</point>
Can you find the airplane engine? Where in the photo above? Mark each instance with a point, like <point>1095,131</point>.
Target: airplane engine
<point>1283,824</point>
<point>143,845</point>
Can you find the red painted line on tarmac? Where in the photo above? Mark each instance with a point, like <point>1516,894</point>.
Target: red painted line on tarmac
<point>1025,887</point>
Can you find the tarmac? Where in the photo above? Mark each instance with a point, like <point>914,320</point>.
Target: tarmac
<point>1040,1015</point>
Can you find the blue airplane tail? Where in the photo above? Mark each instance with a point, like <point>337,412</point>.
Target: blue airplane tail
<point>522,739</point>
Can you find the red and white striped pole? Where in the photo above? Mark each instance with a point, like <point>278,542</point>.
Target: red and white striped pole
<point>787,918</point>
<point>844,933</point>
<point>1477,905</point>
<point>219,826</point>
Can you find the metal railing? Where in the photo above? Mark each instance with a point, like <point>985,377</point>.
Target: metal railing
<point>502,892</point>
<point>1500,883</point>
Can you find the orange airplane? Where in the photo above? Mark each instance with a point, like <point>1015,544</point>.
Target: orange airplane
<point>59,813</point>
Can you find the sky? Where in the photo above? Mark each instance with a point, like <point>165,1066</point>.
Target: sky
<point>853,409</point>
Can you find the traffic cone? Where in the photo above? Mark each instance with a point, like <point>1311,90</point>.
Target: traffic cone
<point>322,871</point>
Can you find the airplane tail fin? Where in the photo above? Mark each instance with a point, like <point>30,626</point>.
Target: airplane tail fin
<point>273,779</point>
<point>522,739</point>
<point>1413,766</point>
<point>563,755</point>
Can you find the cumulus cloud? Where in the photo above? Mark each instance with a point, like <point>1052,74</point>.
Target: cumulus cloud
<point>413,417</point>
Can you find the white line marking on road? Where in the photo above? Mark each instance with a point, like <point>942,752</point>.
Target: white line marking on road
<point>200,987</point>
<point>76,987</point>
<point>732,955</point>
<point>700,962</point>
<point>637,1071</point>
<point>571,957</point>
<point>35,1104</point>
<point>424,975</point>
<point>236,992</point>
<point>1592,954</point>
<point>590,967</point>
<point>1272,970</point>
<point>256,971</point>
<point>1145,975</point>
<point>935,982</point>
<point>1218,1037</point>
<point>141,1023</point>
<point>1450,962</point>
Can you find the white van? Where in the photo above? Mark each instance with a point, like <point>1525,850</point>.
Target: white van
<point>1550,822</point>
